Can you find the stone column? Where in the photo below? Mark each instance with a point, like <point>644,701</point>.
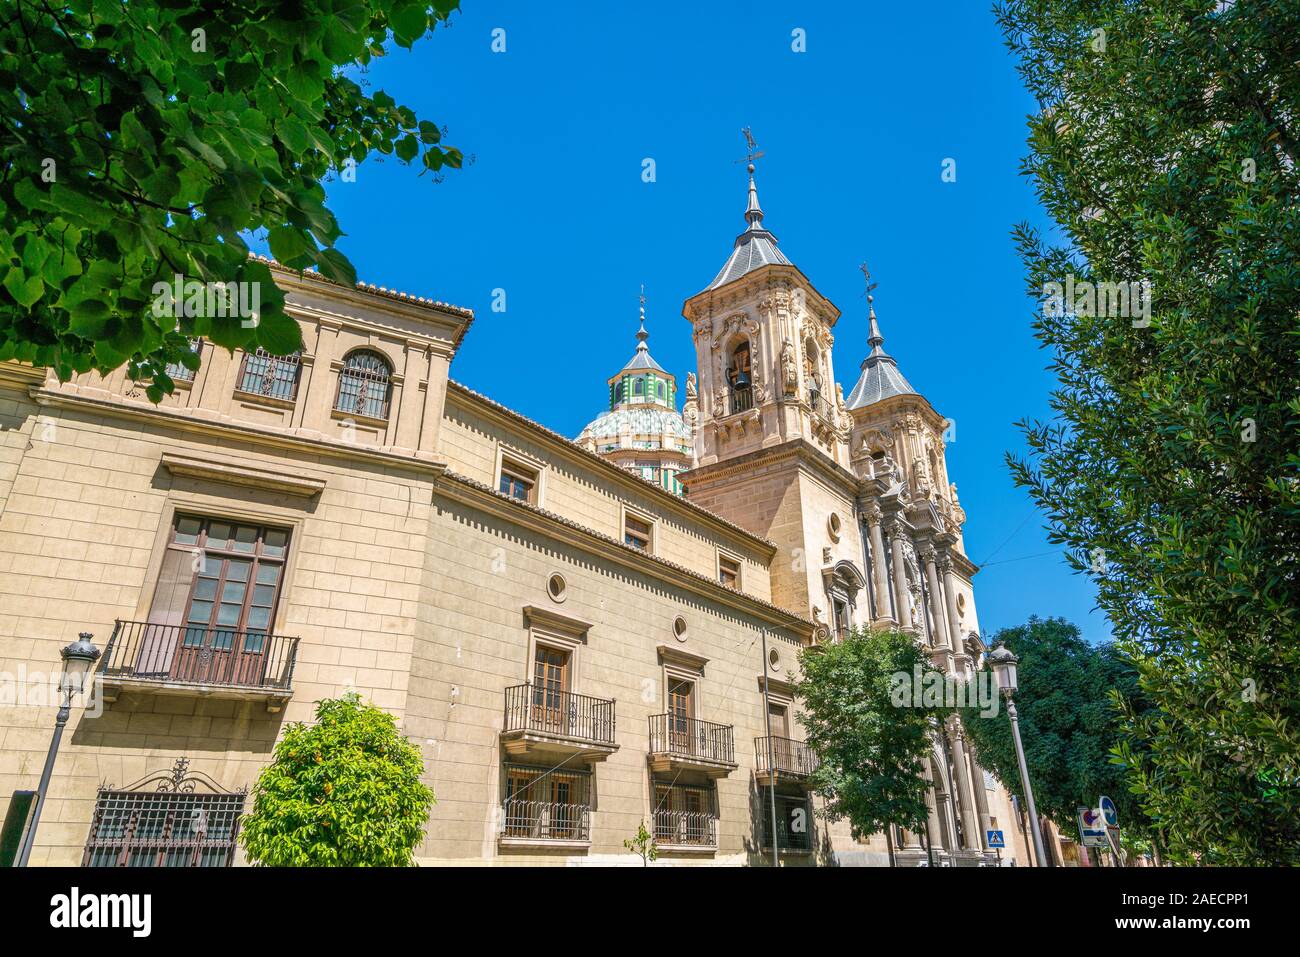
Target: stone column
<point>961,779</point>
<point>936,597</point>
<point>932,826</point>
<point>981,799</point>
<point>878,575</point>
<point>900,573</point>
<point>950,593</point>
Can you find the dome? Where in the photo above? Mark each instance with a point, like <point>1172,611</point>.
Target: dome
<point>638,420</point>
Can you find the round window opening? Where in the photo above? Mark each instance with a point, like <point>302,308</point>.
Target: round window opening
<point>679,628</point>
<point>961,604</point>
<point>774,660</point>
<point>556,587</point>
<point>833,525</point>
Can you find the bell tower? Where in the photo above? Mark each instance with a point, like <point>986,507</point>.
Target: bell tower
<point>763,347</point>
<point>772,439</point>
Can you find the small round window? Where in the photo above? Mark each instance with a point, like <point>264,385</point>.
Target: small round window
<point>774,659</point>
<point>556,587</point>
<point>833,525</point>
<point>679,628</point>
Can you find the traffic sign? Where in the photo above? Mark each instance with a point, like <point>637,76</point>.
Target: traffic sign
<point>1108,810</point>
<point>995,839</point>
<point>1092,828</point>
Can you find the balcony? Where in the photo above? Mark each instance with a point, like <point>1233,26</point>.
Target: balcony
<point>536,823</point>
<point>198,660</point>
<point>559,724</point>
<point>788,760</point>
<point>688,744</point>
<point>686,830</point>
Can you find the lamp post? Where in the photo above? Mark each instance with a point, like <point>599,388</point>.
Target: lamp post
<point>1004,663</point>
<point>78,658</point>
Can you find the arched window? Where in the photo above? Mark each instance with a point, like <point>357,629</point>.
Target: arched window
<point>364,386</point>
<point>638,386</point>
<point>739,380</point>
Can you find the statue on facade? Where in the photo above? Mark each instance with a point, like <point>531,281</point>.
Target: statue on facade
<point>789,371</point>
<point>691,392</point>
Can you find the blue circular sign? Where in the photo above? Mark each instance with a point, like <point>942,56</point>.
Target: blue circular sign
<point>1108,811</point>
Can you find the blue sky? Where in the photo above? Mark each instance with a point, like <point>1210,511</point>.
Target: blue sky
<point>554,211</point>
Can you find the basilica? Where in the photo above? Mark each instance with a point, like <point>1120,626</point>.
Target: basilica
<point>583,636</point>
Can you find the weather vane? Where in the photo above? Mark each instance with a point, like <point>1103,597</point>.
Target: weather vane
<point>752,152</point>
<point>866,277</point>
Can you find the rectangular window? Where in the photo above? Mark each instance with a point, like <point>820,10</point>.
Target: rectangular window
<point>793,822</point>
<point>685,816</point>
<point>546,805</point>
<point>637,532</point>
<point>518,481</point>
<point>729,571</point>
<point>179,372</point>
<point>275,377</point>
<point>842,623</point>
<point>215,601</point>
<point>163,829</point>
<point>777,716</point>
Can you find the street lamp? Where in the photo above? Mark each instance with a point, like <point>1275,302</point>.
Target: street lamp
<point>1003,663</point>
<point>78,658</point>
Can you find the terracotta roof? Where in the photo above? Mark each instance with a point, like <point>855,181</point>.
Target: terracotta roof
<point>673,501</point>
<point>371,289</point>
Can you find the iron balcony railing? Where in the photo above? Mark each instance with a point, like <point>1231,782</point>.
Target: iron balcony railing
<point>793,830</point>
<point>742,400</point>
<point>532,707</point>
<point>787,756</point>
<point>547,821</point>
<point>201,655</point>
<point>686,828</point>
<point>678,736</point>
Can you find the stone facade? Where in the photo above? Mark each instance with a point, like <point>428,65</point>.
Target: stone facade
<point>576,649</point>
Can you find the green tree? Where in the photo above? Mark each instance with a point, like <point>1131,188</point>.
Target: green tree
<point>873,742</point>
<point>1068,722</point>
<point>144,141</point>
<point>643,845</point>
<point>343,792</point>
<point>1166,150</point>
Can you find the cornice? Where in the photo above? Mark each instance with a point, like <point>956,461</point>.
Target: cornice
<point>621,477</point>
<point>807,453</point>
<point>738,289</point>
<point>470,492</point>
<point>21,374</point>
<point>231,471</point>
<point>241,431</point>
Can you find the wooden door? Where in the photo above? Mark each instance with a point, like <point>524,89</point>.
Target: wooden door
<point>681,695</point>
<point>550,684</point>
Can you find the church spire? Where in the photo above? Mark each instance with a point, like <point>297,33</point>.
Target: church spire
<point>642,335</point>
<point>874,339</point>
<point>880,377</point>
<point>753,212</point>
<point>756,246</point>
